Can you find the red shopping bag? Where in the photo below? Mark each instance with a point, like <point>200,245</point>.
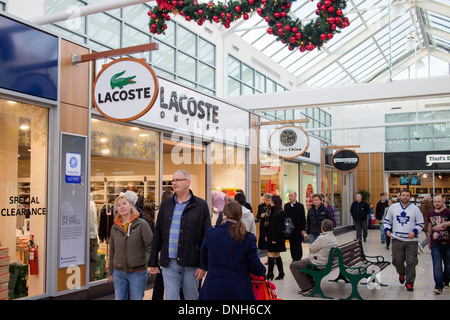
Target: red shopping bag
<point>263,289</point>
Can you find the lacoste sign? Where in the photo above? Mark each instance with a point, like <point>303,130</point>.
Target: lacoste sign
<point>125,89</point>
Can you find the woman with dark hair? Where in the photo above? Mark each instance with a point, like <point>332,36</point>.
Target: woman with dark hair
<point>276,238</point>
<point>229,253</point>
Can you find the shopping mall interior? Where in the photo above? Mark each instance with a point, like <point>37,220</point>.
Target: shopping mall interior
<point>368,76</point>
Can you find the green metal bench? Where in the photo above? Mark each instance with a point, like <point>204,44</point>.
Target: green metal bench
<point>318,272</point>
<point>353,266</point>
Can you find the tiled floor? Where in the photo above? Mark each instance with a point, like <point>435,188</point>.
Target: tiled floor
<point>287,288</point>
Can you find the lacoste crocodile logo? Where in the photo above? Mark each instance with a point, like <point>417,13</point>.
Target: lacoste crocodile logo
<point>121,82</point>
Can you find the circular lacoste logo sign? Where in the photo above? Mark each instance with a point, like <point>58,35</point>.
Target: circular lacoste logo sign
<point>289,141</point>
<point>345,160</point>
<point>125,89</point>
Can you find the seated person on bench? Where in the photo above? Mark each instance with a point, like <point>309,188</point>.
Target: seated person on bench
<point>318,255</point>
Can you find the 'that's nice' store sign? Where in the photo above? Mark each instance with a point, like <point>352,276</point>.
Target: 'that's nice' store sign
<point>125,89</point>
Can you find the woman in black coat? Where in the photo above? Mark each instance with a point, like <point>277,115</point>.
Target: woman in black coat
<point>264,210</point>
<point>276,238</point>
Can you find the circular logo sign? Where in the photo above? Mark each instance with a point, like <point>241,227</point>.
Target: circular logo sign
<point>345,160</point>
<point>289,141</point>
<point>125,89</point>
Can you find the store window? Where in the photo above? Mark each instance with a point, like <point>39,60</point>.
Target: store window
<point>23,199</point>
<point>291,181</point>
<point>309,184</point>
<point>270,175</point>
<point>180,153</point>
<point>228,172</point>
<point>421,184</point>
<point>122,158</point>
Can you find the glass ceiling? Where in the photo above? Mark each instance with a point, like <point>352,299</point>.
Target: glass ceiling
<point>373,48</point>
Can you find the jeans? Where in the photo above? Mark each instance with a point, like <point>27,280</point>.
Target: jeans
<point>313,237</point>
<point>383,233</point>
<point>440,255</point>
<point>129,286</point>
<point>176,277</point>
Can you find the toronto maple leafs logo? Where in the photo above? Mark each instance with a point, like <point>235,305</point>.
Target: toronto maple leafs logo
<point>402,218</point>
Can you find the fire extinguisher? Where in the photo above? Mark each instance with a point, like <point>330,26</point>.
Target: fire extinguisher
<point>33,255</point>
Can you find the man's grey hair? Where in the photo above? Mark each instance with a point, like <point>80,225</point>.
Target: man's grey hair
<point>327,225</point>
<point>185,174</point>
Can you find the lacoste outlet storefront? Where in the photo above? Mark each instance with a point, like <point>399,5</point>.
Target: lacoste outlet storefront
<point>145,128</point>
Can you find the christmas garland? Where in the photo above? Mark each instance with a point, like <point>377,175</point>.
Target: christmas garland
<point>275,12</point>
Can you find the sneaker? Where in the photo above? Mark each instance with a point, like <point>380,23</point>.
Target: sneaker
<point>308,291</point>
<point>409,287</point>
<point>401,279</point>
<point>437,291</point>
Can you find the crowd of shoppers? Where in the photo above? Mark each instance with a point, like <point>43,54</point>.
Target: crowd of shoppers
<point>184,248</point>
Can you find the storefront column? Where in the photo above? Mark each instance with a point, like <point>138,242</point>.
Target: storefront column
<point>74,118</point>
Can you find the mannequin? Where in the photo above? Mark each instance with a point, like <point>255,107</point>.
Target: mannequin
<point>218,201</point>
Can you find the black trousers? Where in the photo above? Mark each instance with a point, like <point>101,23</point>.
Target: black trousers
<point>295,244</point>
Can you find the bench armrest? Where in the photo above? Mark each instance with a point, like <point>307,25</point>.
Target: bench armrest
<point>379,258</point>
<point>361,270</point>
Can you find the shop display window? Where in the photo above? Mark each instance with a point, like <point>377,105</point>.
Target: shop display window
<point>23,199</point>
<point>421,185</point>
<point>228,174</point>
<point>309,181</point>
<point>123,158</point>
<point>270,175</point>
<point>291,179</point>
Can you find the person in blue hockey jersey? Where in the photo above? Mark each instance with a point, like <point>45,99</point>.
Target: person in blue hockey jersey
<point>403,222</point>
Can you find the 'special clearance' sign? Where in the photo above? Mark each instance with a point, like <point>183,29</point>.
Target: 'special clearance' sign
<point>289,142</point>
<point>125,89</point>
<point>345,160</point>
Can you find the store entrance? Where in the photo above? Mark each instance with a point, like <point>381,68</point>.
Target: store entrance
<point>190,157</point>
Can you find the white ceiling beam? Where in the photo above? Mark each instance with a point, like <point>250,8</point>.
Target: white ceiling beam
<point>85,11</point>
<point>347,95</point>
<point>433,6</point>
